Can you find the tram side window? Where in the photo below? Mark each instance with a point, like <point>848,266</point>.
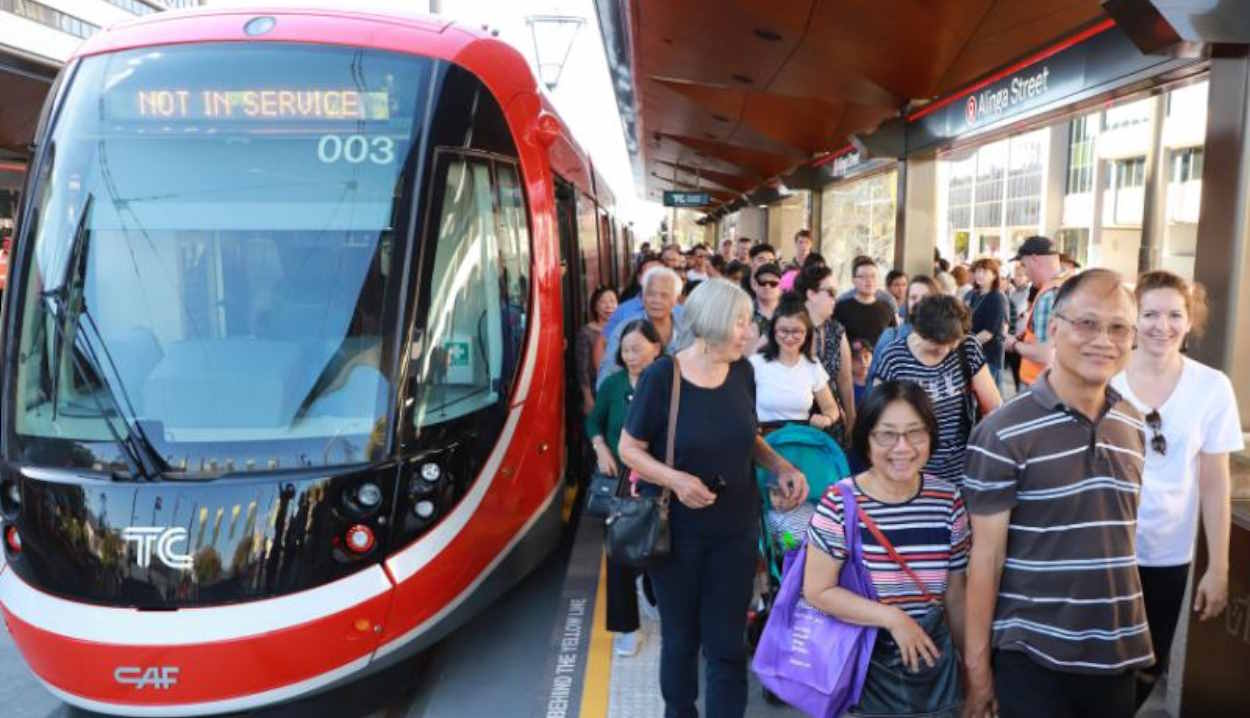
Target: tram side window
<point>460,360</point>
<point>514,261</point>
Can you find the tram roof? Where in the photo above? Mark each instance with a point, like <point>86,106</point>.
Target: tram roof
<point>731,95</point>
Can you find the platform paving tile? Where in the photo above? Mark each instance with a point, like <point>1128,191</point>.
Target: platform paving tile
<point>634,689</point>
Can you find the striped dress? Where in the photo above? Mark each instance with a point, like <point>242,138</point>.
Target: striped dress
<point>929,530</point>
<point>947,390</point>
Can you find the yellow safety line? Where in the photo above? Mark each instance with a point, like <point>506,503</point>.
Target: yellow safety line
<point>599,655</point>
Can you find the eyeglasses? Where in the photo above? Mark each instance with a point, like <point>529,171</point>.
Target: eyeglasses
<point>1158,442</point>
<point>1087,330</point>
<point>768,284</point>
<point>791,332</point>
<point>886,438</point>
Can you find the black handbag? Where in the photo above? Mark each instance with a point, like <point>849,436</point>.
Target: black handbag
<point>890,688</point>
<point>599,494</point>
<point>637,532</point>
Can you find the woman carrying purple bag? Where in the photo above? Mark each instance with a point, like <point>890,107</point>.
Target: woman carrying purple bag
<point>915,539</point>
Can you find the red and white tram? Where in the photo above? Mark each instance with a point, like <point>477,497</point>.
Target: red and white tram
<point>284,386</point>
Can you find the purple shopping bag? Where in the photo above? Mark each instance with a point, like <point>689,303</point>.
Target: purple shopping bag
<point>806,657</point>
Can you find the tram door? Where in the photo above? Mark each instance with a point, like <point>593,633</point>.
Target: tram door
<point>571,282</point>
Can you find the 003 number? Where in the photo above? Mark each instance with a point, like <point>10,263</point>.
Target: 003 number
<point>356,149</point>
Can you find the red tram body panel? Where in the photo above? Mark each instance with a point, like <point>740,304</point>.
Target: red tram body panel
<point>233,577</point>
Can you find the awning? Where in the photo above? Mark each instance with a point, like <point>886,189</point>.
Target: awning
<point>728,94</point>
<point>23,86</point>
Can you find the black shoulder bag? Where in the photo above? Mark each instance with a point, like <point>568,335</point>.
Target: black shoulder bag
<point>637,526</point>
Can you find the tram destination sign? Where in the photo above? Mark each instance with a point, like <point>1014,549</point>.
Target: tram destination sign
<point>264,104</point>
<point>686,199</point>
<point>1095,65</point>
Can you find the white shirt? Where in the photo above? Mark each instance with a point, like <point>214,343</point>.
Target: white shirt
<point>785,393</point>
<point>1200,417</point>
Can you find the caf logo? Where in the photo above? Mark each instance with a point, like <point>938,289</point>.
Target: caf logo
<point>970,110</point>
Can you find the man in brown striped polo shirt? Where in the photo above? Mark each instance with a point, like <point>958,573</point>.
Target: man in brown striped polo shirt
<point>1056,625</point>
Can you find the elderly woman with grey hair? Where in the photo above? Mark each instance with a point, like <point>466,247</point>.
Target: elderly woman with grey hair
<point>704,587</point>
<point>661,288</point>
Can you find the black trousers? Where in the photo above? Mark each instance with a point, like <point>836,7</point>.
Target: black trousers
<point>622,615</point>
<point>1163,588</point>
<point>1026,689</point>
<point>703,590</point>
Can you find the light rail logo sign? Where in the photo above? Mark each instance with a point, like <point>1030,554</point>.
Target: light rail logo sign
<point>162,678</point>
<point>159,540</point>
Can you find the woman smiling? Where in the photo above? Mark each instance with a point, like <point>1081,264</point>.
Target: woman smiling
<point>1191,426</point>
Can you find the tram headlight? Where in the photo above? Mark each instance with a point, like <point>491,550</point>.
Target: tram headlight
<point>423,509</point>
<point>431,471</point>
<point>10,498</point>
<point>359,539</point>
<point>369,495</point>
<point>12,539</point>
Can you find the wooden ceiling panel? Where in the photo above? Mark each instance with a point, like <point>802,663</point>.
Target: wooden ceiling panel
<point>751,89</point>
<point>710,44</point>
<point>1011,30</point>
<point>900,46</point>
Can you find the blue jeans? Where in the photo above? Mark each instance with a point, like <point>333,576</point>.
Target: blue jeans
<point>703,591</point>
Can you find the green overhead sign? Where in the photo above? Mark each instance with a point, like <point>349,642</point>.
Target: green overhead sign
<point>686,199</point>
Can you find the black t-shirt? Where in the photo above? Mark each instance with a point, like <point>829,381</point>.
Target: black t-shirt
<point>864,322</point>
<point>716,431</point>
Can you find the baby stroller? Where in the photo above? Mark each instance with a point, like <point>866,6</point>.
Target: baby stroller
<point>823,462</point>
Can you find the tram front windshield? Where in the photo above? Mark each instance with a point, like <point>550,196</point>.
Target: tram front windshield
<point>229,221</point>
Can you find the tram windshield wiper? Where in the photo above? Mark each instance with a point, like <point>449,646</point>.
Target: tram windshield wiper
<point>68,309</point>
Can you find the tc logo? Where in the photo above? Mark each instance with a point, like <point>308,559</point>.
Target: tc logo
<point>162,678</point>
<point>970,110</point>
<point>145,537</point>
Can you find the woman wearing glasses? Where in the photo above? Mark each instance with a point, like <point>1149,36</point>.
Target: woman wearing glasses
<point>787,379</point>
<point>920,599</point>
<point>1191,426</point>
<point>817,290</point>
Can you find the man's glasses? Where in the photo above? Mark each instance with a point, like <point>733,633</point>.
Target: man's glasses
<point>1158,442</point>
<point>771,284</point>
<point>1087,330</point>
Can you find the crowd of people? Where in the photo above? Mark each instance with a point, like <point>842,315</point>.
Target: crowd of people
<point>1037,549</point>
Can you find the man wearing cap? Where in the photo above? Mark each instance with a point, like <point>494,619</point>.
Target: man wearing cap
<point>1041,262</point>
<point>766,286</point>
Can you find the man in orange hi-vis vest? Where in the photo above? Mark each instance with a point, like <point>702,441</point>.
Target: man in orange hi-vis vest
<point>1031,341</point>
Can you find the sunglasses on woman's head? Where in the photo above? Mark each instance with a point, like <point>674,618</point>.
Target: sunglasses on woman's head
<point>1158,442</point>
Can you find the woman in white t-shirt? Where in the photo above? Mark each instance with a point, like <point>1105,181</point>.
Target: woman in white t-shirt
<point>788,379</point>
<point>1191,426</point>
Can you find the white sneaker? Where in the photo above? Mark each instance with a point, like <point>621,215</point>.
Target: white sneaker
<point>626,645</point>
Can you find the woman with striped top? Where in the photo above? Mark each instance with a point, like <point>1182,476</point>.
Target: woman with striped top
<point>921,515</point>
<point>949,365</point>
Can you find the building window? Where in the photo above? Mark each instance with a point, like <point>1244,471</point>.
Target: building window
<point>991,176</point>
<point>1128,173</point>
<point>1187,165</point>
<point>134,7</point>
<point>1024,180</point>
<point>44,15</point>
<point>1081,155</point>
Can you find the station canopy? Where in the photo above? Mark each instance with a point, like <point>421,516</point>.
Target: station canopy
<point>729,95</point>
<point>23,86</point>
